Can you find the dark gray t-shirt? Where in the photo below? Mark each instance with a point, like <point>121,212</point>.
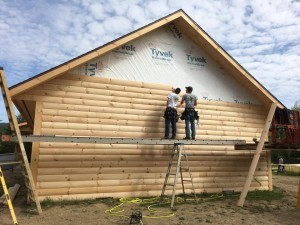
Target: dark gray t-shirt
<point>189,100</point>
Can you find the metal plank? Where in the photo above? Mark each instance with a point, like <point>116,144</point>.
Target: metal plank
<point>98,140</point>
<point>270,147</point>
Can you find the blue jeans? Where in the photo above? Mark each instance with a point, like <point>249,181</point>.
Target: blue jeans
<point>190,119</point>
<point>169,121</point>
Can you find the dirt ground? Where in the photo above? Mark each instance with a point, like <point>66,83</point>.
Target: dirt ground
<point>220,211</point>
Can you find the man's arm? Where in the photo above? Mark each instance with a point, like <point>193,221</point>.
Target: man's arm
<point>195,103</point>
<point>182,100</point>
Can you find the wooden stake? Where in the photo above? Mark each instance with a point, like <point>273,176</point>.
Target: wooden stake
<point>298,202</point>
<point>257,155</point>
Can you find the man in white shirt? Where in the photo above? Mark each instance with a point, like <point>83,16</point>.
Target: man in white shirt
<point>171,113</point>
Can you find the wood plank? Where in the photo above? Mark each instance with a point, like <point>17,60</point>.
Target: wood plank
<point>257,155</point>
<point>36,145</point>
<point>270,176</point>
<point>298,201</point>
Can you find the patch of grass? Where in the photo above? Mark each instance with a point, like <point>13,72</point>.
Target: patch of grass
<point>276,194</point>
<point>289,174</point>
<point>257,209</point>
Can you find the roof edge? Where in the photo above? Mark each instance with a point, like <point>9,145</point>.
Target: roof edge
<point>237,63</point>
<point>18,85</point>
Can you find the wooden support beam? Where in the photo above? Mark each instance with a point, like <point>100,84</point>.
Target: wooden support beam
<point>257,155</point>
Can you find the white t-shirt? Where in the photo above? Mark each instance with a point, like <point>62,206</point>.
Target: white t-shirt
<point>173,100</point>
<point>189,100</point>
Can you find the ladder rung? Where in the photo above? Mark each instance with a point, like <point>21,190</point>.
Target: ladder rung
<point>170,184</point>
<point>172,174</point>
<point>188,181</point>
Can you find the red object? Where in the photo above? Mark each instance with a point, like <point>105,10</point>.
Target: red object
<point>5,138</point>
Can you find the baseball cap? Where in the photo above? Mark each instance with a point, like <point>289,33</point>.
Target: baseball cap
<point>189,88</point>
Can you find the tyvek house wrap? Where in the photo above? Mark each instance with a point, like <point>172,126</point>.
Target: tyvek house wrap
<point>168,56</point>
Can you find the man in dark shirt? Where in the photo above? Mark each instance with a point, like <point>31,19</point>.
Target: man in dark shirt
<point>190,101</point>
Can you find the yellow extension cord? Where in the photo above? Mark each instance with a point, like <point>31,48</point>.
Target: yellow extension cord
<point>118,210</point>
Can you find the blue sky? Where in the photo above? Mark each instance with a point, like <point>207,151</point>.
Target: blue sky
<point>262,35</point>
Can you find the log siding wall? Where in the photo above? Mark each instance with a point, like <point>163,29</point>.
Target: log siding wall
<point>92,106</point>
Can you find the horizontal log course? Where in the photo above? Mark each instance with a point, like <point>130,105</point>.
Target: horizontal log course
<point>124,161</point>
<point>111,87</point>
<point>100,98</point>
<point>148,163</point>
<point>105,80</point>
<point>133,120</point>
<point>149,127</point>
<point>105,113</point>
<point>134,188</point>
<point>87,177</point>
<point>49,121</point>
<point>98,91</point>
<point>60,197</point>
<point>87,102</point>
<point>160,181</point>
<point>134,146</point>
<point>95,169</point>
<point>138,160</point>
<point>143,152</point>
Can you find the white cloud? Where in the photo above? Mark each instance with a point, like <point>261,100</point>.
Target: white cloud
<point>262,35</point>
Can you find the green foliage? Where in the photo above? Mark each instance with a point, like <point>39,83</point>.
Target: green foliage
<point>296,105</point>
<point>20,119</point>
<point>289,157</point>
<point>5,147</point>
<point>9,147</point>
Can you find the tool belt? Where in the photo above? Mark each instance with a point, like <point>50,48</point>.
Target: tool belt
<point>188,112</point>
<point>171,113</point>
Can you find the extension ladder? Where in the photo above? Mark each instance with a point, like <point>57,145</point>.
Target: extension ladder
<point>175,159</point>
<point>6,193</point>
<point>29,182</point>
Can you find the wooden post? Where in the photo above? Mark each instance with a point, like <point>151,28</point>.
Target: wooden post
<point>270,174</point>
<point>257,155</point>
<point>298,201</point>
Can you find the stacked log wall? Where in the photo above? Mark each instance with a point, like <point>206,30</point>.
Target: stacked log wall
<point>75,105</point>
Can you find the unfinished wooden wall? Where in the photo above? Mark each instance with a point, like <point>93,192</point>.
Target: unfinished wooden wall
<point>92,106</point>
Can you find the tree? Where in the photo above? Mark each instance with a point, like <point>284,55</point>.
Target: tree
<point>296,105</point>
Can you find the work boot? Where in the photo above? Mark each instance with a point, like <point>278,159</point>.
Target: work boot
<point>186,138</point>
<point>173,137</point>
<point>165,137</point>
